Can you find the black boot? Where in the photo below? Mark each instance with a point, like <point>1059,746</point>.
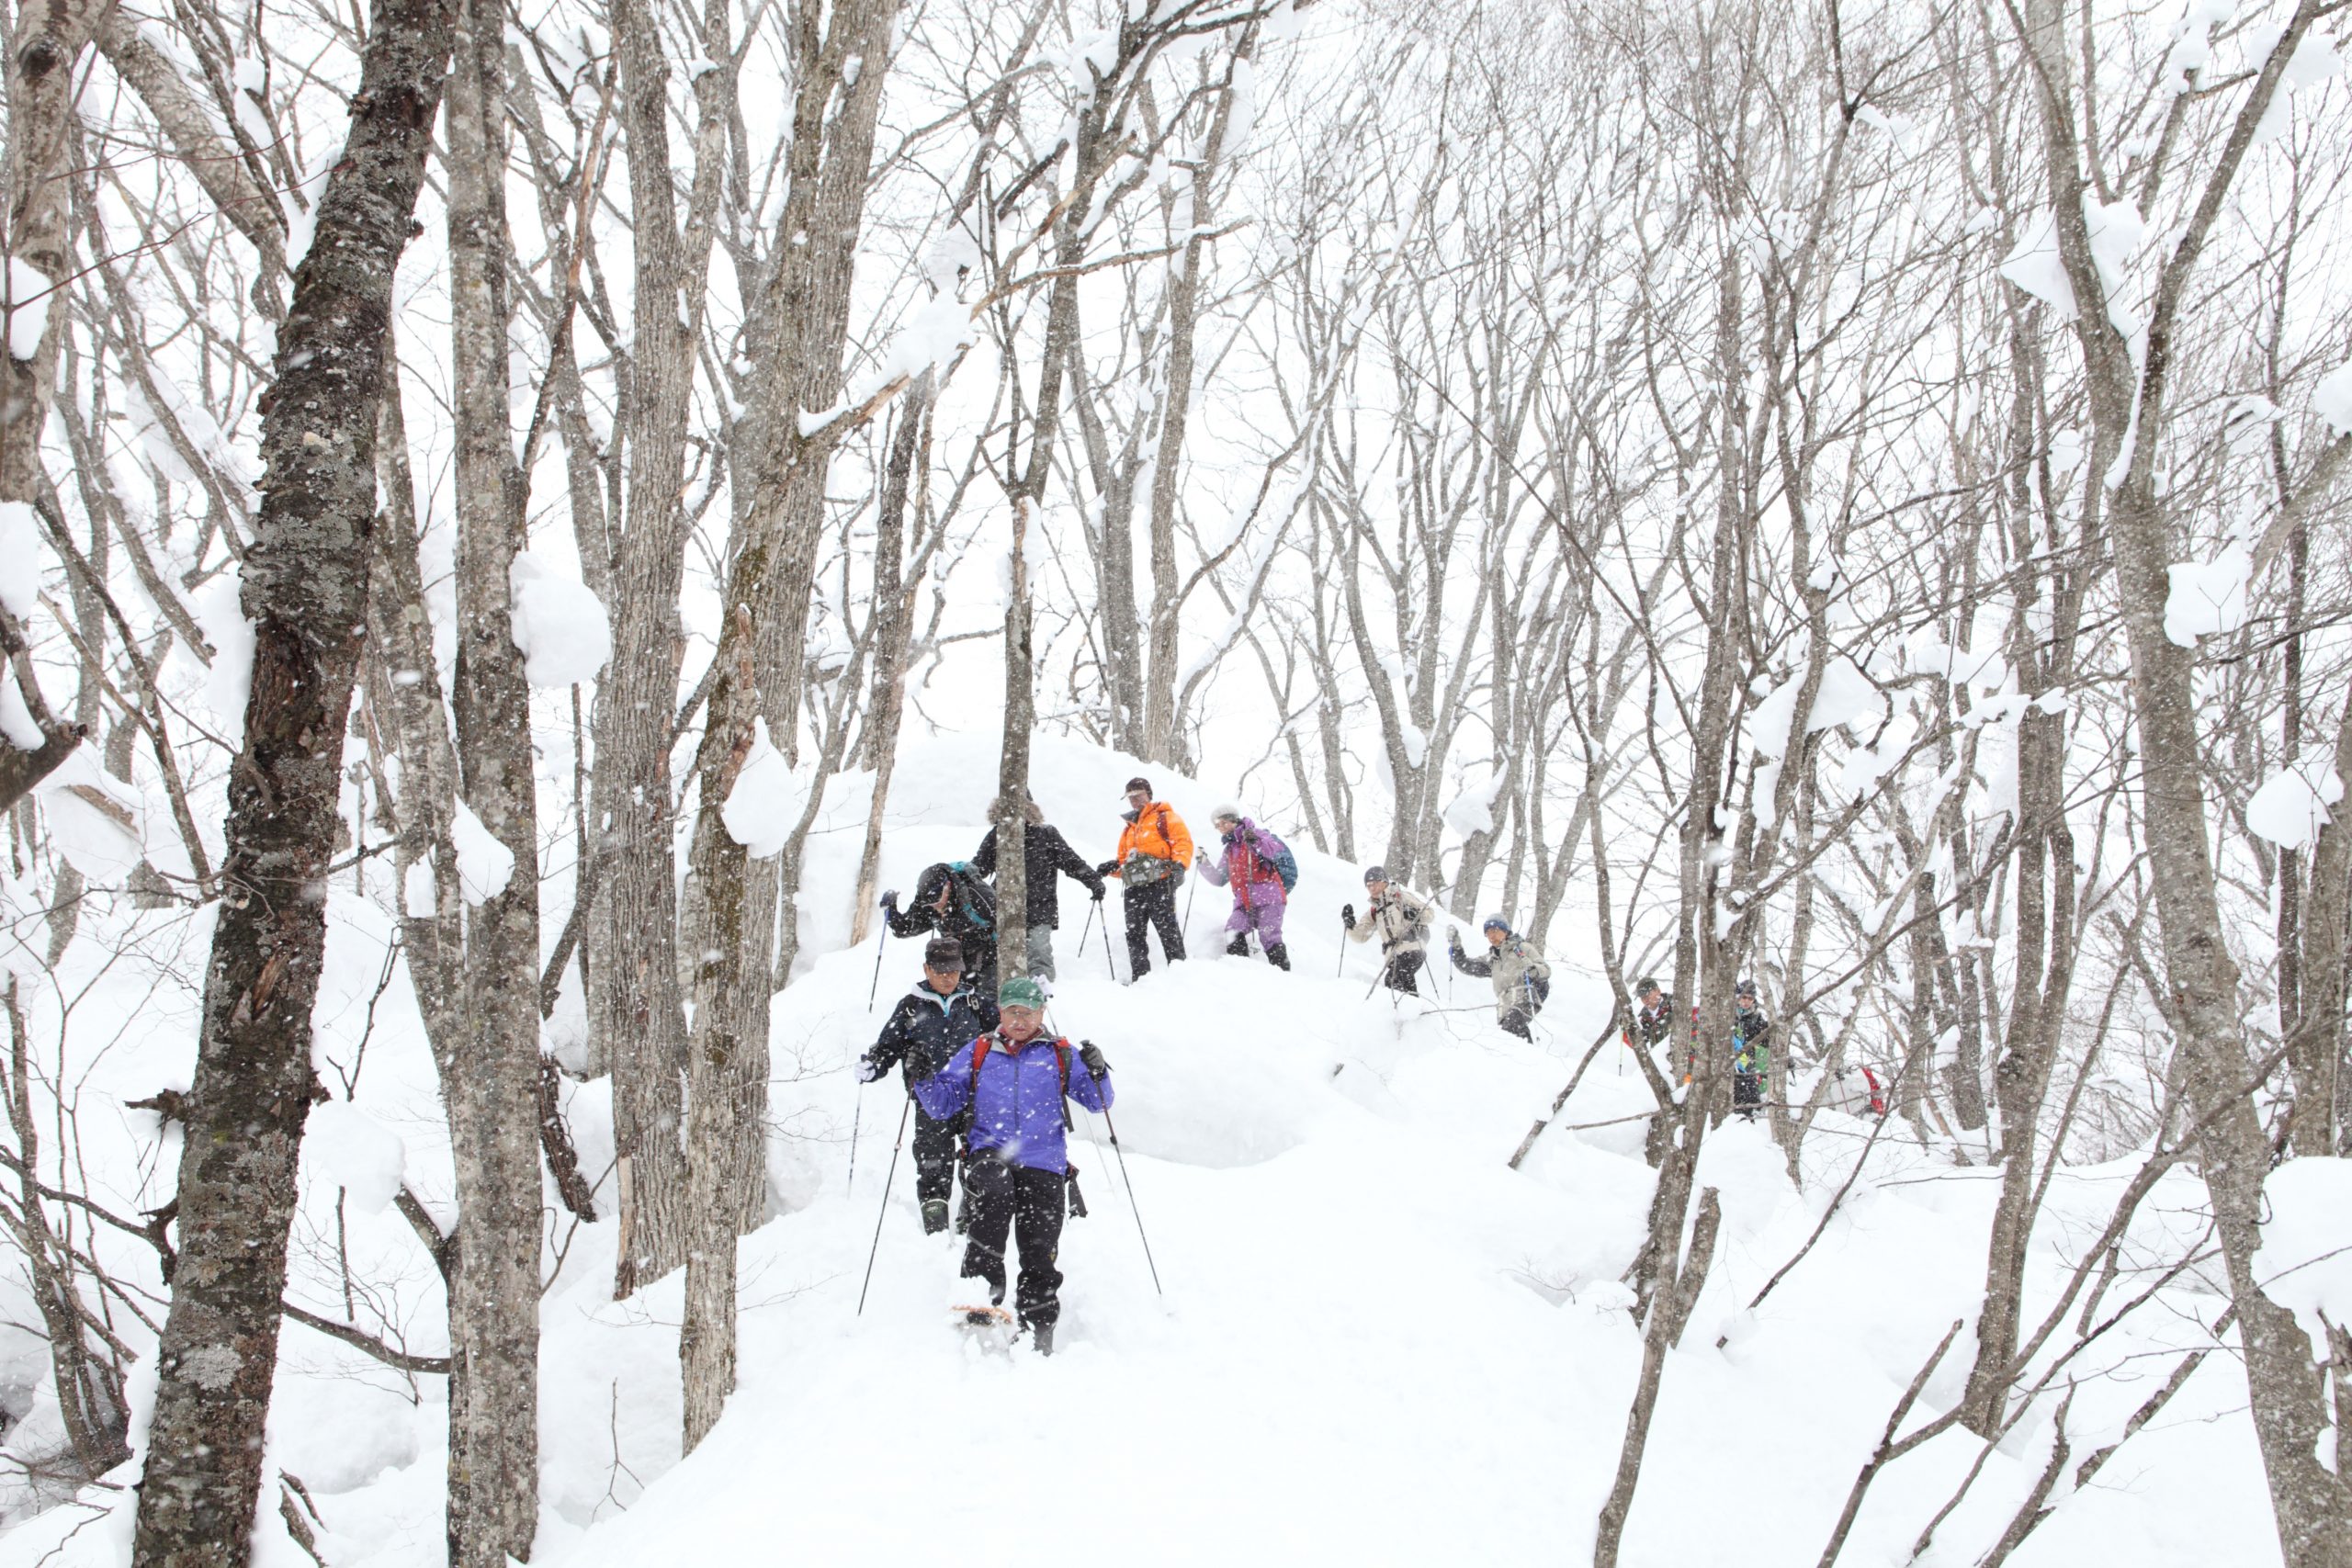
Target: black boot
<point>1278,955</point>
<point>1042,1333</point>
<point>934,1215</point>
<point>1238,947</point>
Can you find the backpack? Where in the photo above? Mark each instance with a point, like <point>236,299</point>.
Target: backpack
<point>1061,1060</point>
<point>973,897</point>
<point>1285,862</point>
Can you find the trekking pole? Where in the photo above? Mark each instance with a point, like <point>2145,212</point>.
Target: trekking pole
<point>886,1205</point>
<point>1342,967</point>
<point>1131,1202</point>
<point>876,988</point>
<point>854,1118</point>
<point>1107,963</point>
<point>1089,929</point>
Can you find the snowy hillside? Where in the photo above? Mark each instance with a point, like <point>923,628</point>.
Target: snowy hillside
<point>1376,1343</point>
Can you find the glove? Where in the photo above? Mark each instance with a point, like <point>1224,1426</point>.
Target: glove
<point>1348,915</point>
<point>1107,868</point>
<point>1097,894</point>
<point>890,900</point>
<point>1091,1054</point>
<point>868,1069</point>
<point>1453,942</point>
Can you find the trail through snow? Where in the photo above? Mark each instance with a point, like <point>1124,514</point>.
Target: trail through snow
<point>1377,1345</point>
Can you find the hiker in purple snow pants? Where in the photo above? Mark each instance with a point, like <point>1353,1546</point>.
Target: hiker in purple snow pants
<point>1262,870</point>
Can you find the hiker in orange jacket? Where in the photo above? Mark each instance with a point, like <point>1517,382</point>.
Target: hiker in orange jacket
<point>1154,850</point>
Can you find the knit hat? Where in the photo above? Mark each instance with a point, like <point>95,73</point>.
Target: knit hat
<point>1744,988</point>
<point>943,952</point>
<point>1496,923</point>
<point>1373,873</point>
<point>1021,991</point>
<point>1226,812</point>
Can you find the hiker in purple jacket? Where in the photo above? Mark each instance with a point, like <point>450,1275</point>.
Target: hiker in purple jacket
<point>1014,1078</point>
<point>1260,869</point>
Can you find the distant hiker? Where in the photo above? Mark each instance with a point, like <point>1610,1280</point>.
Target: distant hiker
<point>1751,1040</point>
<point>1653,1018</point>
<point>1014,1081</point>
<point>1878,1093</point>
<point>940,1017</point>
<point>1522,981</point>
<point>1262,870</point>
<point>1153,851</point>
<point>951,899</point>
<point>1400,920</point>
<point>1044,853</point>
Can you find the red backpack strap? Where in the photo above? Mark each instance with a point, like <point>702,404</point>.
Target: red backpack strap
<point>1061,1060</point>
<point>980,1054</point>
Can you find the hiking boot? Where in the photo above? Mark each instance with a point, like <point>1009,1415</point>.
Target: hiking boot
<point>1278,955</point>
<point>1238,947</point>
<point>1042,1333</point>
<point>934,1215</point>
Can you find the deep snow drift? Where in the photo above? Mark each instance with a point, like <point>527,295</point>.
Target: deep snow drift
<point>1378,1344</point>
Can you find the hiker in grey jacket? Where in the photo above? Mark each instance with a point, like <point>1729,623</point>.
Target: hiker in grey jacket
<point>1400,920</point>
<point>1521,977</point>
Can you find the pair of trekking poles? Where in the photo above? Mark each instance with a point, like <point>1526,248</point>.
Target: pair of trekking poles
<point>891,1175</point>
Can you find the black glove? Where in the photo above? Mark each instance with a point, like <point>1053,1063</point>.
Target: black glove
<point>1099,891</point>
<point>868,1069</point>
<point>1106,868</point>
<point>1091,1054</point>
<point>890,900</point>
<point>1348,915</point>
<point>1453,942</point>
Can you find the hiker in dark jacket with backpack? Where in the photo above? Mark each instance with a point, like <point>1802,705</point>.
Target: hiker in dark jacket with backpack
<point>1044,854</point>
<point>1013,1081</point>
<point>1262,872</point>
<point>1751,1044</point>
<point>953,901</point>
<point>940,1017</point>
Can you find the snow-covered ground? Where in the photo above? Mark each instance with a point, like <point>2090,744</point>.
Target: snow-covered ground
<point>1376,1343</point>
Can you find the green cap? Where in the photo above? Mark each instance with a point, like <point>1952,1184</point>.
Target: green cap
<point>1021,992</point>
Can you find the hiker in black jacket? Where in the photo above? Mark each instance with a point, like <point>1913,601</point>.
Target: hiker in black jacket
<point>954,902</point>
<point>1043,853</point>
<point>940,1017</point>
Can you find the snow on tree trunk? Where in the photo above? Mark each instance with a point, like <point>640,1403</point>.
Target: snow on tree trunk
<point>305,584</point>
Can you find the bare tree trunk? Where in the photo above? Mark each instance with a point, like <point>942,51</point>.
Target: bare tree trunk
<point>49,39</point>
<point>893,629</point>
<point>635,1013</point>
<point>490,1070</point>
<point>305,591</point>
<point>2129,406</point>
<point>801,323</point>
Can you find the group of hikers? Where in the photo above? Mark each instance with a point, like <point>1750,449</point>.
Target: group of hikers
<point>990,1087</point>
<point>1751,1040</point>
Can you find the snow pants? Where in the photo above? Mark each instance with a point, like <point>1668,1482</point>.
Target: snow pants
<point>1013,1202</point>
<point>1399,973</point>
<point>1152,905</point>
<point>1264,917</point>
<point>1747,1093</point>
<point>934,1158</point>
<point>1041,951</point>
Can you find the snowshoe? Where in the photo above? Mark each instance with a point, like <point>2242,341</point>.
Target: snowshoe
<point>934,1215</point>
<point>990,1327</point>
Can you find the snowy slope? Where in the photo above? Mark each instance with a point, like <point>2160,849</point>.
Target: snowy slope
<point>1376,1343</point>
